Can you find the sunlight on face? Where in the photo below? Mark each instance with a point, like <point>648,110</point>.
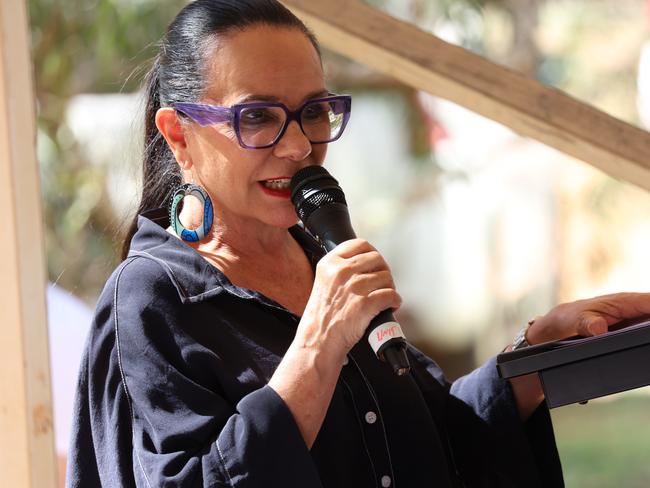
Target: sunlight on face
<point>260,63</point>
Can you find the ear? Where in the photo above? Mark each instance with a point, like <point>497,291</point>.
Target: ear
<point>172,130</point>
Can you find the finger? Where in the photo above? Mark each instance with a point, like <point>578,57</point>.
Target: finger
<point>383,299</point>
<point>367,262</point>
<point>620,306</point>
<point>366,283</point>
<point>352,247</point>
<point>339,270</point>
<point>591,324</point>
<point>635,304</point>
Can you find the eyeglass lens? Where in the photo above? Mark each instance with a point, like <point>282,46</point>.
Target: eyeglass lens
<point>321,122</point>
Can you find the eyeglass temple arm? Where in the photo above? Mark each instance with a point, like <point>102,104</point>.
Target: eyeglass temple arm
<point>204,114</point>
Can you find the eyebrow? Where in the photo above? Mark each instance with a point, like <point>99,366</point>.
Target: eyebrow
<point>271,98</point>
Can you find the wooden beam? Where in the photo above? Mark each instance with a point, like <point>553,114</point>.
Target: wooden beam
<point>530,108</point>
<point>26,439</point>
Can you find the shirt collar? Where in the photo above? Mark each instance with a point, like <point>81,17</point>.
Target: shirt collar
<point>193,277</point>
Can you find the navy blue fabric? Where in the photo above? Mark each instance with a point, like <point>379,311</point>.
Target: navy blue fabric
<point>173,392</point>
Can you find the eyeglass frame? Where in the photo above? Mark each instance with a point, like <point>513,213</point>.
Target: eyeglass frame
<point>206,114</point>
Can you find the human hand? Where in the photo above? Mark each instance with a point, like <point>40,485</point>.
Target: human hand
<point>588,317</point>
<point>352,285</point>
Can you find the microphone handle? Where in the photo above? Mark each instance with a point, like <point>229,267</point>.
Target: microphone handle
<point>388,341</point>
<point>384,333</point>
<point>332,225</point>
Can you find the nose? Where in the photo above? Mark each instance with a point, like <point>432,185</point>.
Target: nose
<point>293,144</point>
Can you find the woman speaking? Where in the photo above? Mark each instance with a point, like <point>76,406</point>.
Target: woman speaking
<point>226,348</point>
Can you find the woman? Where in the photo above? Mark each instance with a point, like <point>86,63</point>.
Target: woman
<point>229,355</point>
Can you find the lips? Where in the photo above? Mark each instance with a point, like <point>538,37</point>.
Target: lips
<point>277,187</point>
<point>277,183</point>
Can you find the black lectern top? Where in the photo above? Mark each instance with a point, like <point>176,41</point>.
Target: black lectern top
<point>581,368</point>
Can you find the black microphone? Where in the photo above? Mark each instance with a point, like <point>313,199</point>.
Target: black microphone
<point>320,204</point>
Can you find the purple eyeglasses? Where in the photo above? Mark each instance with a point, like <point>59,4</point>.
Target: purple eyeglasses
<point>262,124</point>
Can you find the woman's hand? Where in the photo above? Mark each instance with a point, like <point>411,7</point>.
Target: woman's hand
<point>583,317</point>
<point>351,286</point>
<point>588,317</point>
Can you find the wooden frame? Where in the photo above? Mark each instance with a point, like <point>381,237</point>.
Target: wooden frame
<point>425,62</point>
<point>349,27</point>
<point>27,456</point>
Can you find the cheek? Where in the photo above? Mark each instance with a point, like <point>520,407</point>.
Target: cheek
<point>319,151</point>
<point>214,154</point>
<point>224,134</point>
<point>232,168</point>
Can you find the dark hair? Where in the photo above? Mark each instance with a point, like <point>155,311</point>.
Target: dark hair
<point>178,75</point>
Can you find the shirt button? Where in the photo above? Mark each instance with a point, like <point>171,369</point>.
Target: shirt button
<point>371,418</point>
<point>345,361</point>
<point>386,481</point>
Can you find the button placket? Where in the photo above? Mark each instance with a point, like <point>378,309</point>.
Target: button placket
<point>371,417</point>
<point>367,410</point>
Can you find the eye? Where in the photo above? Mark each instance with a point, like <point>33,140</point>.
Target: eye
<point>257,116</point>
<point>315,111</point>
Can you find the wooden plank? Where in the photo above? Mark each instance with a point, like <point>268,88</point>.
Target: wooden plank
<point>530,108</point>
<point>26,441</point>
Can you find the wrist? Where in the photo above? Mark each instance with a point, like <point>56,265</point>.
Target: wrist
<point>528,393</point>
<point>305,379</point>
<point>320,354</point>
<point>521,339</point>
<point>321,341</point>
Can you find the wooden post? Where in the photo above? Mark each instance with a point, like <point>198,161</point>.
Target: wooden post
<point>425,62</point>
<point>27,456</point>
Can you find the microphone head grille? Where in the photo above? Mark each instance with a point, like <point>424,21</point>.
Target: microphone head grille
<point>311,188</point>
<point>316,200</point>
<point>308,172</point>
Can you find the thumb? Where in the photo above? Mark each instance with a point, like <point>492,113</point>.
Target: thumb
<point>591,324</point>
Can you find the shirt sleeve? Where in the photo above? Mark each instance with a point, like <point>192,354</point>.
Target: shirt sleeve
<point>492,399</point>
<point>483,426</point>
<point>184,432</point>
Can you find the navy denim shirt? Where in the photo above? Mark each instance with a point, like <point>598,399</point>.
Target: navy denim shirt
<point>173,392</point>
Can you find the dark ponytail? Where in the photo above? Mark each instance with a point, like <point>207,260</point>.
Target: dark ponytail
<point>178,75</point>
<point>160,174</point>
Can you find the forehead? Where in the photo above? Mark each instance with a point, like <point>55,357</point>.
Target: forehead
<point>263,60</point>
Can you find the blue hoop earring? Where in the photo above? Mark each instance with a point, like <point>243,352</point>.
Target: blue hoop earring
<point>208,213</point>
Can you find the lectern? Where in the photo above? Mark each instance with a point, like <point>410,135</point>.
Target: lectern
<point>581,368</point>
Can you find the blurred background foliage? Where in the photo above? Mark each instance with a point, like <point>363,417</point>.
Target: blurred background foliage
<point>85,46</point>
<point>588,48</point>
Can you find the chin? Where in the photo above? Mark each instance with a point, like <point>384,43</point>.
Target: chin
<point>282,219</point>
<point>288,223</point>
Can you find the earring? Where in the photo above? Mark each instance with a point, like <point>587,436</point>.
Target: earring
<point>208,213</point>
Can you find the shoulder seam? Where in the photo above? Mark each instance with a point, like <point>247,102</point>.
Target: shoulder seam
<point>223,461</point>
<point>170,274</point>
<point>120,367</point>
<point>183,293</point>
